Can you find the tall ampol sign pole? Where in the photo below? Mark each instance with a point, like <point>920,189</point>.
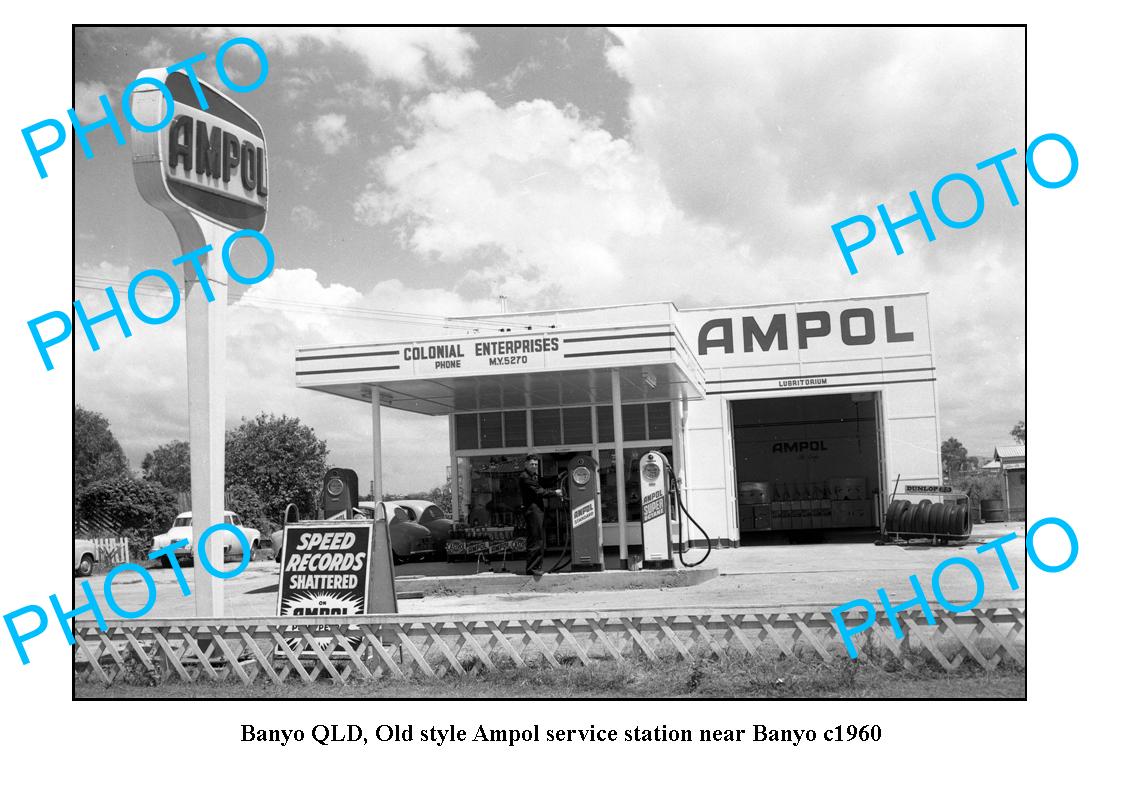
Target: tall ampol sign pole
<point>206,171</point>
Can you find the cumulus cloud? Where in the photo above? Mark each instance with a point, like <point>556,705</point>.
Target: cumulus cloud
<point>415,57</point>
<point>331,131</point>
<point>544,199</point>
<point>87,106</point>
<point>306,217</point>
<point>771,145</point>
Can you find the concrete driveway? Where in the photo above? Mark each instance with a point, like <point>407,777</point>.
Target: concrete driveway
<point>781,575</point>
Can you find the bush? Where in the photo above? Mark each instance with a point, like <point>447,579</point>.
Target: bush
<point>137,510</point>
<point>979,486</point>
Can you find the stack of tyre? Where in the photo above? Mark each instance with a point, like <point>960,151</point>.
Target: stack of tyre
<point>944,523</point>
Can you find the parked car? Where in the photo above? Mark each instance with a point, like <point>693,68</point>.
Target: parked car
<point>427,514</point>
<point>85,556</point>
<point>409,539</point>
<point>231,545</point>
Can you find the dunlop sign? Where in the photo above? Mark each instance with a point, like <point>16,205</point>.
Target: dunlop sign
<point>209,160</point>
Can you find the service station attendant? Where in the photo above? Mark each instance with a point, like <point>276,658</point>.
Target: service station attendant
<point>781,420</point>
<point>532,493</point>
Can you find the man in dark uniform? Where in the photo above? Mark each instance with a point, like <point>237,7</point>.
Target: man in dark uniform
<point>532,494</point>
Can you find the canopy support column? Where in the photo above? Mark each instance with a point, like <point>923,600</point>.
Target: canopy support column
<point>376,440</point>
<point>621,468</point>
<point>678,466</point>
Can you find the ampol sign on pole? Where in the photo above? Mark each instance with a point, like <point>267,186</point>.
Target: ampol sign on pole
<point>203,165</point>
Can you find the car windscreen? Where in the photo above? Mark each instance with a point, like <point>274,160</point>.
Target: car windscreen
<point>182,522</point>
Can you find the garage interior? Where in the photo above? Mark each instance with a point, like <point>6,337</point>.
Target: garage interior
<point>807,466</point>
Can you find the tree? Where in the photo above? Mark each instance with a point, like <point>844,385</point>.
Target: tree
<point>169,465</point>
<point>97,453</point>
<point>980,485</point>
<point>953,454</point>
<point>442,496</point>
<point>243,500</point>
<point>279,459</point>
<point>1018,432</point>
<point>130,504</point>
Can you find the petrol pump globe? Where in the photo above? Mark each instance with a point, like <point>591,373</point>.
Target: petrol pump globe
<point>582,475</point>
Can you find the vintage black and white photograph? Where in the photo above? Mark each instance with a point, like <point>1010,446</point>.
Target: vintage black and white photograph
<point>549,362</point>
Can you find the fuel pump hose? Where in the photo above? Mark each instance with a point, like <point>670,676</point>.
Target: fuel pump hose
<point>567,554</point>
<point>682,508</point>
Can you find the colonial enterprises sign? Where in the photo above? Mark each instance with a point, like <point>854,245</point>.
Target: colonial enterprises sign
<point>209,161</point>
<point>479,355</point>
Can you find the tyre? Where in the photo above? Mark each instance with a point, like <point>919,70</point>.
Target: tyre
<point>923,514</point>
<point>893,516</point>
<point>86,565</point>
<point>907,519</point>
<point>962,522</point>
<point>166,562</point>
<point>947,520</point>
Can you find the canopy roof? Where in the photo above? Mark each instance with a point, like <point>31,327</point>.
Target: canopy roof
<point>509,370</point>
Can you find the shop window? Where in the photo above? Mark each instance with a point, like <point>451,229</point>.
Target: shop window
<point>491,430</point>
<point>658,421</point>
<point>635,422</point>
<point>604,424</point>
<point>467,436</point>
<point>577,426</point>
<point>492,490</point>
<point>547,426</point>
<point>514,429</point>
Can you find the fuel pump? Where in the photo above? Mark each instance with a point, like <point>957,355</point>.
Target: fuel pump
<point>657,504</point>
<point>340,494</point>
<point>586,533</point>
<point>661,503</point>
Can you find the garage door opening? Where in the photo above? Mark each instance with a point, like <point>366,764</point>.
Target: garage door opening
<point>808,468</point>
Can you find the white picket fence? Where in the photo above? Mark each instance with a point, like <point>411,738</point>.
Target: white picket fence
<point>111,550</point>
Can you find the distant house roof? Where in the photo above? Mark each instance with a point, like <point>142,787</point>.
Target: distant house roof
<point>1006,452</point>
<point>995,465</point>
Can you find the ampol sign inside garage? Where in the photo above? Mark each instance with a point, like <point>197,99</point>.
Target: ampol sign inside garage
<point>785,418</point>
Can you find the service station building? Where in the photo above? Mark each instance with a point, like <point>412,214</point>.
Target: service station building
<point>781,419</point>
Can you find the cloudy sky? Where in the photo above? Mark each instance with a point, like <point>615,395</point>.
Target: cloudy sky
<point>431,170</point>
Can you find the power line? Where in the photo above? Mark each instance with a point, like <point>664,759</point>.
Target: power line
<point>364,313</point>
